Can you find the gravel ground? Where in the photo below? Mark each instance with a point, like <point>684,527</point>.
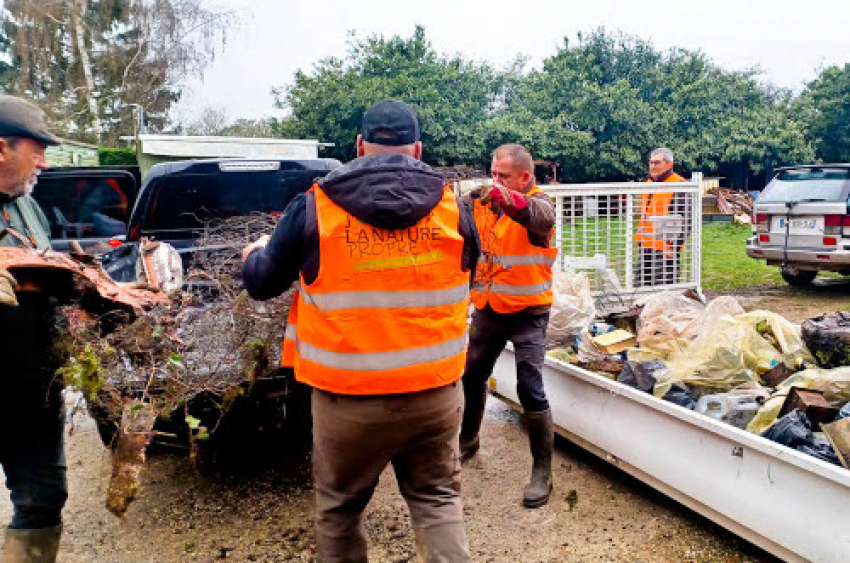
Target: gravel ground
<point>262,509</point>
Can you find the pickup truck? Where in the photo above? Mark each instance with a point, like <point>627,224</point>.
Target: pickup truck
<point>176,202</point>
<point>90,204</point>
<point>179,198</point>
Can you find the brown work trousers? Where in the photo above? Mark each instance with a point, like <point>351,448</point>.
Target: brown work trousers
<point>356,437</point>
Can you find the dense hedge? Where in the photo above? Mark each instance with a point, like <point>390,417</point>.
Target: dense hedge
<point>115,157</point>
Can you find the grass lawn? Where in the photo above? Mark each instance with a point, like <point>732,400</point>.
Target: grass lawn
<point>725,264</point>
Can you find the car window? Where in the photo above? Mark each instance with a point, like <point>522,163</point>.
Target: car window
<point>189,201</point>
<point>79,206</point>
<point>827,184</point>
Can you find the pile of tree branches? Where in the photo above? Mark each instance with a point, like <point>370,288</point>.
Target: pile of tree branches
<point>212,342</point>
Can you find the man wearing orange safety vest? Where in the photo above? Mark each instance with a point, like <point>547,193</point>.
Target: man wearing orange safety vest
<point>662,227</point>
<point>383,253</point>
<point>512,295</point>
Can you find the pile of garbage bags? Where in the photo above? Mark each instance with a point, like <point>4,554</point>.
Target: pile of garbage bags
<point>756,371</point>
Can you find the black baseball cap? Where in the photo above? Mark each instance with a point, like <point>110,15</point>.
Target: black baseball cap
<point>391,123</point>
<point>20,118</point>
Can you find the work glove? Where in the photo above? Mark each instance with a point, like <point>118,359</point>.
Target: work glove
<point>503,198</point>
<point>8,285</point>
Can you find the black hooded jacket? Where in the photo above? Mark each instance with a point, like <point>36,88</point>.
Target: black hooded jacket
<point>388,191</point>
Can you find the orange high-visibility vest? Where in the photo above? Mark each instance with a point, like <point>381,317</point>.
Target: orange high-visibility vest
<point>654,205</point>
<point>513,274</point>
<point>387,312</point>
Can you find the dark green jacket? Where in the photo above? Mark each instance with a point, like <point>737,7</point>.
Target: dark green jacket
<point>26,217</point>
<point>27,331</point>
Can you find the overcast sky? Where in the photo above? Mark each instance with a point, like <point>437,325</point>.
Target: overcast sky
<point>789,40</point>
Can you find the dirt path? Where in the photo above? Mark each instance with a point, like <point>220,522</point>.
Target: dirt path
<point>795,303</point>
<point>264,510</point>
<point>263,513</point>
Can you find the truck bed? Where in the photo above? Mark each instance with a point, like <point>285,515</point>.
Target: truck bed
<point>789,504</point>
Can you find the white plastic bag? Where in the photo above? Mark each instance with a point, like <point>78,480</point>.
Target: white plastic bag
<point>572,307</point>
<point>160,267</point>
<point>665,325</point>
<point>670,321</point>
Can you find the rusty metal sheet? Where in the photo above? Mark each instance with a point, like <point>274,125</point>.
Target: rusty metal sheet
<point>88,274</point>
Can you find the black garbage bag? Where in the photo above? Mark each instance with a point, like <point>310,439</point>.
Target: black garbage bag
<point>828,338</point>
<point>795,431</point>
<point>641,376</point>
<point>681,395</point>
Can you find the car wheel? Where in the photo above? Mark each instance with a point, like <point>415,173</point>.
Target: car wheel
<point>798,278</point>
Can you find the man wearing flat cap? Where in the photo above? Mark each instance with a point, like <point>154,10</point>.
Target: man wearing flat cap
<point>31,408</point>
<point>381,252</point>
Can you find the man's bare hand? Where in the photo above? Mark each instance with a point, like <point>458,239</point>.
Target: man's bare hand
<point>8,285</point>
<point>259,243</point>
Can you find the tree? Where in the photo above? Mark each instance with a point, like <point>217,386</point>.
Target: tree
<point>452,96</point>
<point>617,98</point>
<point>826,103</point>
<point>87,62</point>
<point>211,121</point>
<point>214,121</point>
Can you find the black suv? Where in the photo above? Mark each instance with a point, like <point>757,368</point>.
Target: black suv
<point>90,204</point>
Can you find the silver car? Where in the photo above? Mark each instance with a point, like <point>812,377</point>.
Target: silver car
<point>802,222</point>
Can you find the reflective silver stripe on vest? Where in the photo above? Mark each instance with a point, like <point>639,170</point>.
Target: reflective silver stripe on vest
<point>382,360</point>
<point>290,332</point>
<point>387,299</point>
<point>523,290</point>
<point>508,260</point>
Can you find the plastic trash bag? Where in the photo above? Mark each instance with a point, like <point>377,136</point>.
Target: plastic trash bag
<point>642,376</point>
<point>665,325</point>
<point>835,384</point>
<point>590,356</point>
<point>717,309</point>
<point>681,395</point>
<point>828,338</point>
<point>780,332</point>
<point>727,355</point>
<point>572,308</point>
<point>670,321</point>
<point>160,266</point>
<point>795,431</point>
<point>641,355</point>
<point>843,413</point>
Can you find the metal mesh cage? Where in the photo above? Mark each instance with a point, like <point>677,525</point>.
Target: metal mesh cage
<point>630,239</point>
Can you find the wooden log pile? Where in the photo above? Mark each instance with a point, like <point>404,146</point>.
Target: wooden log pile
<point>733,202</point>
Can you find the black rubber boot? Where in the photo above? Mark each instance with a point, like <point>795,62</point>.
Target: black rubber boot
<point>541,437</point>
<point>32,546</point>
<point>473,414</point>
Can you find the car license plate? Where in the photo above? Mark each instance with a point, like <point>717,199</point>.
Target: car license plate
<point>799,225</point>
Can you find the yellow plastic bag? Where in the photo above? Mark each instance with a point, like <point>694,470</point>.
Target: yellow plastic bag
<point>769,411</point>
<point>779,330</point>
<point>730,353</point>
<point>835,384</point>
